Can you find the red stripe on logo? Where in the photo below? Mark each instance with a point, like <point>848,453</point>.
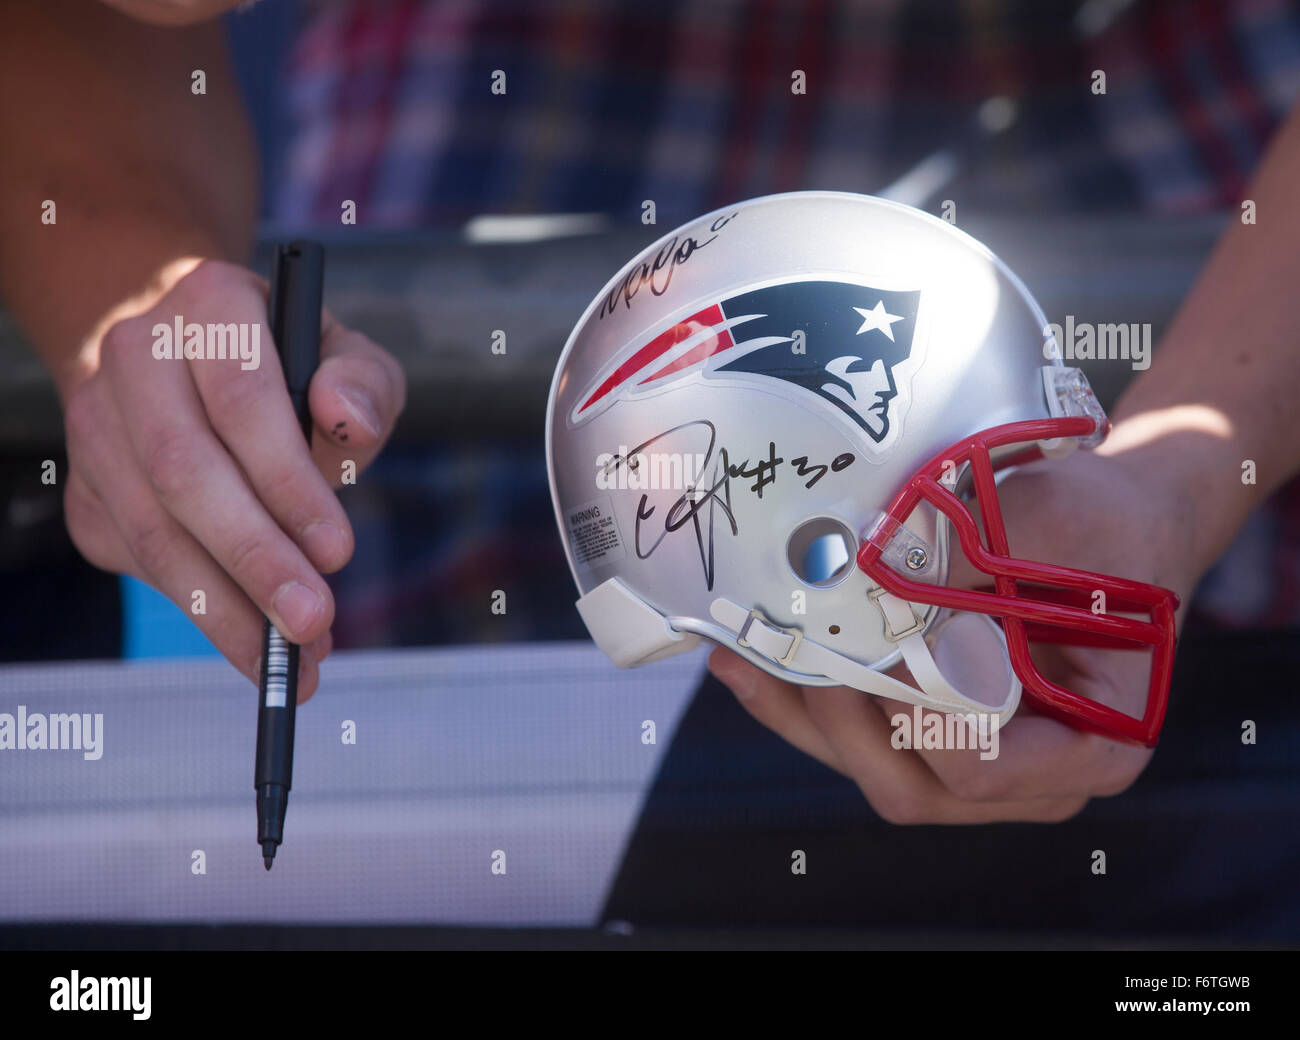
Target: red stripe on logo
<point>716,343</point>
<point>662,343</point>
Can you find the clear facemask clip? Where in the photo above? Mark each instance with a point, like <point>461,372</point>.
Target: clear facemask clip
<point>902,550</point>
<point>1069,395</point>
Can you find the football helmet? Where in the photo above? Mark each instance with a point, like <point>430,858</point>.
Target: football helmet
<point>766,430</point>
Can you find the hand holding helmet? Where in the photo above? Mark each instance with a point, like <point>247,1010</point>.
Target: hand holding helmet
<point>1045,770</point>
<point>784,426</point>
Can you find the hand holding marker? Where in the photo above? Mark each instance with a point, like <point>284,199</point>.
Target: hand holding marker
<point>297,274</point>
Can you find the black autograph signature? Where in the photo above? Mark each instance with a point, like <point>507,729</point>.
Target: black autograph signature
<point>701,503</point>
<point>658,271</point>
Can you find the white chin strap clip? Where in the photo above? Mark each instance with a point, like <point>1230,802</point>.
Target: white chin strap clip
<point>790,649</point>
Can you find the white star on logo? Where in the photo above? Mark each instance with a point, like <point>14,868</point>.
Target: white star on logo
<point>878,318</point>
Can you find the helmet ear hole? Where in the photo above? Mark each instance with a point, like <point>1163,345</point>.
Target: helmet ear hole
<point>820,552</point>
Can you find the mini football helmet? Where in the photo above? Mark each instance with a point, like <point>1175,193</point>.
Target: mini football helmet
<point>767,429</point>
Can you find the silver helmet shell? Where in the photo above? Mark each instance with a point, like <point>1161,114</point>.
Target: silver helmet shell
<point>738,403</point>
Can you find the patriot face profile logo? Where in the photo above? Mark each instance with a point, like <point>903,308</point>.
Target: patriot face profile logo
<point>853,337</point>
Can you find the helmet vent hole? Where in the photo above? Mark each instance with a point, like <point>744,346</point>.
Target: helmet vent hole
<point>821,551</point>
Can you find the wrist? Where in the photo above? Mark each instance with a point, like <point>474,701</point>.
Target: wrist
<point>1188,465</point>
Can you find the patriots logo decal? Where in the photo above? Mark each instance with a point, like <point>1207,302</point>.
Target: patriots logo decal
<point>853,339</point>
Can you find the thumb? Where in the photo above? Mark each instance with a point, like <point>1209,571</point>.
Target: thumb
<point>357,394</point>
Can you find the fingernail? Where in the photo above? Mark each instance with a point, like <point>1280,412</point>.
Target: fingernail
<point>361,409</point>
<point>734,679</point>
<point>741,688</point>
<point>298,607</point>
<point>323,542</point>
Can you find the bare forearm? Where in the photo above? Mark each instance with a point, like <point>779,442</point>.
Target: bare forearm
<point>1224,389</point>
<point>100,120</point>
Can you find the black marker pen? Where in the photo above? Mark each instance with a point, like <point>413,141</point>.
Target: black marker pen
<point>297,274</point>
